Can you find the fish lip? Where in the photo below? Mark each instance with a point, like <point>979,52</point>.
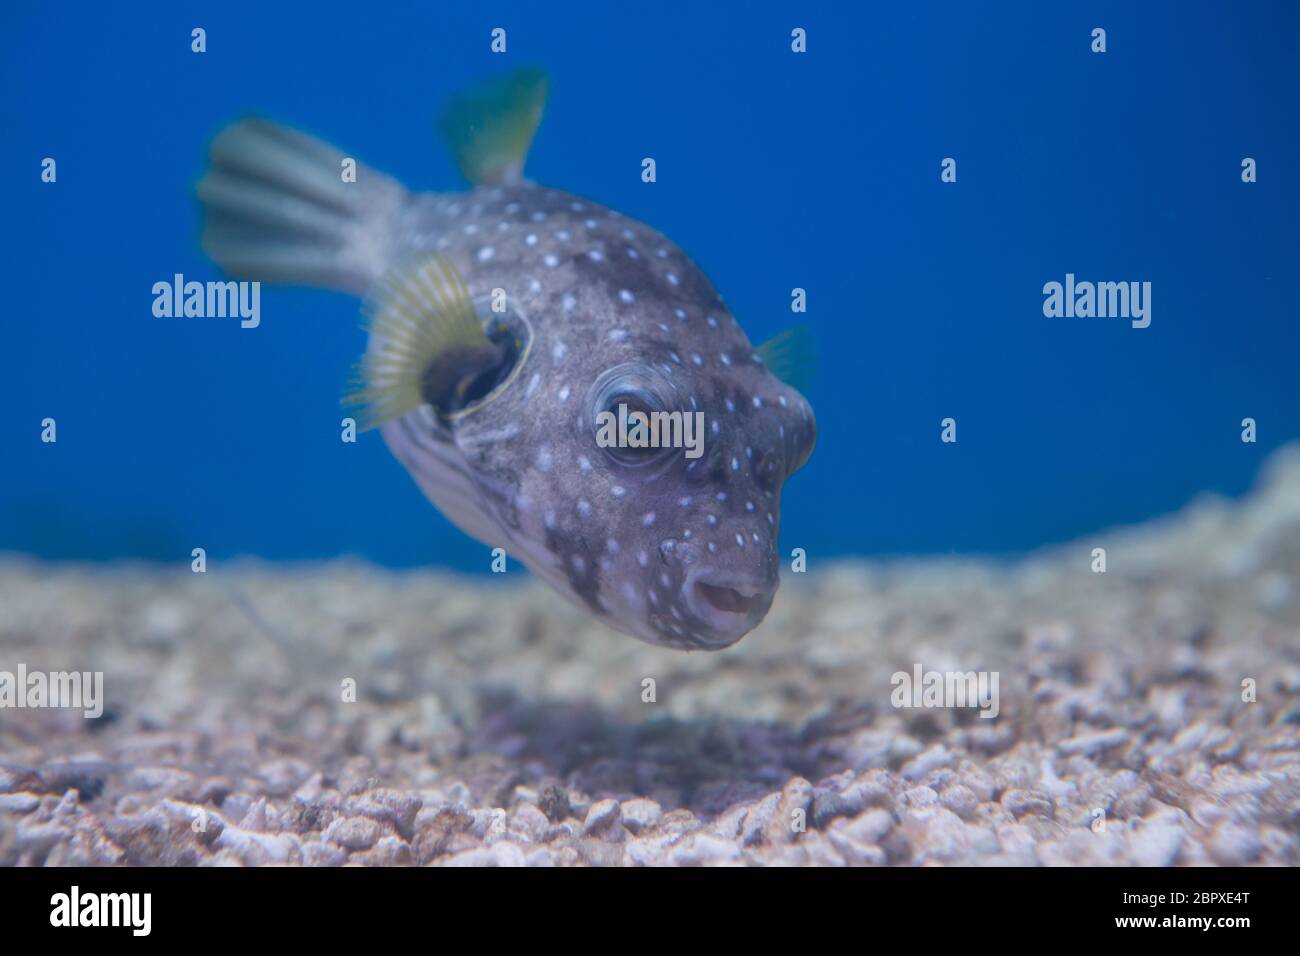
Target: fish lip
<point>727,605</point>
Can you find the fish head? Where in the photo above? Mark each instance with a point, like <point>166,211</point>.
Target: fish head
<point>675,544</point>
<point>690,555</point>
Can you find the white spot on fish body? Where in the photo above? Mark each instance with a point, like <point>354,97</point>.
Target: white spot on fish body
<point>648,520</point>
<point>625,296</point>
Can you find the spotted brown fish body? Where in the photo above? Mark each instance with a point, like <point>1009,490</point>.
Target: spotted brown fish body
<point>595,309</point>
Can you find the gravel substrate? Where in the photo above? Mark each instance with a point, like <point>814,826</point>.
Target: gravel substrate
<point>494,724</point>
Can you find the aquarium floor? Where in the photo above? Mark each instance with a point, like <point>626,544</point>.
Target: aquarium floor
<point>494,724</point>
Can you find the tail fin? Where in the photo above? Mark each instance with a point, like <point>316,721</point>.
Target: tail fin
<point>278,210</point>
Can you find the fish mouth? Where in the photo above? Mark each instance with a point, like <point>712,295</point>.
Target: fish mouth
<point>729,607</point>
<point>725,599</point>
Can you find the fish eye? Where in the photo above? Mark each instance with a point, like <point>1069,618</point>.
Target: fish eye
<point>617,396</point>
<point>622,406</point>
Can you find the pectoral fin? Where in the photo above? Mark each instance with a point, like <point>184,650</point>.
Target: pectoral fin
<point>426,339</point>
<point>790,356</point>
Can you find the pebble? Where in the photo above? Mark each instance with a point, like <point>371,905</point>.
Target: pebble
<point>1157,845</point>
<point>19,802</point>
<point>258,848</point>
<point>1027,802</point>
<point>1093,743</point>
<point>353,833</point>
<point>641,814</point>
<point>603,815</point>
<point>704,849</point>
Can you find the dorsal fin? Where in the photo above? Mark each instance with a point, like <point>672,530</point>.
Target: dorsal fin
<point>790,356</point>
<point>491,127</point>
<point>419,315</point>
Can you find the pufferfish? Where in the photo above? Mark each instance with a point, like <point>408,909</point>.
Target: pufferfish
<point>501,322</point>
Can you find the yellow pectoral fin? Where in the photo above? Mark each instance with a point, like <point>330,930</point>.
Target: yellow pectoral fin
<point>418,312</point>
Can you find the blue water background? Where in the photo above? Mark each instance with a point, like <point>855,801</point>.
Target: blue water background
<point>774,171</point>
